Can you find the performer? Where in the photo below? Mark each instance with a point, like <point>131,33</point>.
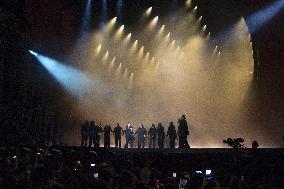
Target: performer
<point>107,131</point>
<point>84,133</point>
<point>161,135</point>
<point>152,135</point>
<point>117,135</point>
<point>172,134</point>
<point>128,135</point>
<point>92,134</point>
<point>183,132</point>
<point>142,132</point>
<point>97,130</point>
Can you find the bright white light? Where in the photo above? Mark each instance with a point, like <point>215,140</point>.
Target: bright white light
<point>33,53</point>
<point>148,11</point>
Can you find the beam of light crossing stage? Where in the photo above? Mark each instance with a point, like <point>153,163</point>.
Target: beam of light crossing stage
<point>188,3</point>
<point>148,12</point>
<point>126,40</point>
<point>141,52</point>
<point>85,27</point>
<point>168,37</point>
<point>161,30</point>
<point>105,57</point>
<point>118,34</point>
<point>125,74</point>
<point>133,47</point>
<point>261,17</point>
<point>153,23</point>
<point>103,16</point>
<point>98,50</point>
<point>110,25</point>
<point>118,70</point>
<point>119,8</point>
<point>73,80</point>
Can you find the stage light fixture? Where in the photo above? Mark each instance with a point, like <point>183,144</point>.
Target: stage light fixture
<point>148,12</point>
<point>188,3</point>
<point>204,28</point>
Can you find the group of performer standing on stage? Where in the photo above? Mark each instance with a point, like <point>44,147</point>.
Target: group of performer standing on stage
<point>91,132</point>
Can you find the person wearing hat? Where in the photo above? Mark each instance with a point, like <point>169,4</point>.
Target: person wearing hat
<point>183,132</point>
<point>172,134</point>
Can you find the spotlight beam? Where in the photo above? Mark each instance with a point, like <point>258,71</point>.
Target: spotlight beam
<point>86,18</point>
<point>73,80</point>
<point>260,18</point>
<point>103,13</point>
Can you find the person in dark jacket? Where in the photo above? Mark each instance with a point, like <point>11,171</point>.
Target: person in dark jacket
<point>117,135</point>
<point>107,131</point>
<point>128,135</point>
<point>84,133</point>
<point>92,134</point>
<point>183,132</point>
<point>152,135</point>
<point>161,135</point>
<point>97,130</point>
<point>141,134</point>
<point>172,134</point>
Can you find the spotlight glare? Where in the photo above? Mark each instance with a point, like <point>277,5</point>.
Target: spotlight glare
<point>195,8</point>
<point>156,19</point>
<point>140,53</point>
<point>119,33</point>
<point>153,60</point>
<point>118,70</point>
<point>105,56</point>
<point>33,53</point>
<point>98,49</point>
<point>215,50</point>
<point>148,12</point>
<point>125,73</point>
<point>113,60</point>
<point>127,39</point>
<point>168,35</point>
<point>72,79</point>
<point>188,3</point>
<point>161,30</point>
<point>109,26</point>
<point>134,46</point>
<point>153,23</point>
<point>173,43</point>
<point>258,19</point>
<point>208,36</point>
<point>204,28</point>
